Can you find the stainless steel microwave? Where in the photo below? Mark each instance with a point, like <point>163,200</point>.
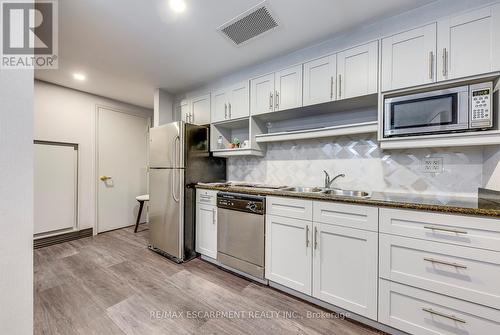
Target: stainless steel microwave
<point>457,109</point>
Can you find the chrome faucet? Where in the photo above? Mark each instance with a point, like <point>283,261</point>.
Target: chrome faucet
<point>328,181</point>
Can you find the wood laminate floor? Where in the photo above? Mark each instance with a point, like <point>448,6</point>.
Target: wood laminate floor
<point>112,284</point>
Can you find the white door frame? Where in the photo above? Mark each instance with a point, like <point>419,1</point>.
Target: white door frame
<point>95,156</point>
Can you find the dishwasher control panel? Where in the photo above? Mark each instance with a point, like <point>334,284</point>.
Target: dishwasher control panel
<point>241,202</point>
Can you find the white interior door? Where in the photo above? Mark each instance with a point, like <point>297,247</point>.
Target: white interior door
<point>55,187</point>
<point>123,159</point>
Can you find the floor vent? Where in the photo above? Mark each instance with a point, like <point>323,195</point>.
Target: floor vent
<point>250,24</point>
<point>61,238</point>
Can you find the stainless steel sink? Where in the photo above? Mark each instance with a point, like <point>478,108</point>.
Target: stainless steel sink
<point>346,193</point>
<point>304,189</point>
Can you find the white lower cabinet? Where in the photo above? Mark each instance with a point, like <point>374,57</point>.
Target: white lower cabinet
<point>465,273</point>
<point>329,262</point>
<point>288,252</point>
<point>206,223</point>
<point>421,312</point>
<point>345,268</point>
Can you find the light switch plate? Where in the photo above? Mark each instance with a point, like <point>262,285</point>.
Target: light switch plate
<point>432,165</point>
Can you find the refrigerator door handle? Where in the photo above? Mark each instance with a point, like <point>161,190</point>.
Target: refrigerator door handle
<point>176,165</point>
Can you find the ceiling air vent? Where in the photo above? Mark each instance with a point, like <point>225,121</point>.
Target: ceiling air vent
<point>249,24</point>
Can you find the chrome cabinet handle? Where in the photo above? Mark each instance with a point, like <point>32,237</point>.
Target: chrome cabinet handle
<point>277,103</point>
<point>445,62</point>
<point>229,104</point>
<point>214,215</point>
<point>315,237</point>
<point>205,199</point>
<point>340,86</point>
<point>271,101</point>
<point>456,265</point>
<point>225,111</point>
<point>431,57</point>
<point>451,317</point>
<point>456,231</point>
<point>307,236</point>
<point>331,88</point>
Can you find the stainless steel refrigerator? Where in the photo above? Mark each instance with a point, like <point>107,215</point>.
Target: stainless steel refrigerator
<point>179,155</point>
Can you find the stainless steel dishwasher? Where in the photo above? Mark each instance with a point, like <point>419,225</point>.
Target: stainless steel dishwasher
<point>240,232</point>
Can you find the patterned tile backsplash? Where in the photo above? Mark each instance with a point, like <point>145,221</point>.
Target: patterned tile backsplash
<point>366,166</point>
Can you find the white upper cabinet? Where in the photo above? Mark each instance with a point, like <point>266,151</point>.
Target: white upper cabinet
<point>409,58</point>
<point>239,104</point>
<point>319,80</point>
<point>357,71</point>
<point>185,111</point>
<point>288,87</point>
<point>219,105</point>
<point>200,110</point>
<point>262,94</point>
<point>276,91</point>
<point>231,103</point>
<point>469,44</point>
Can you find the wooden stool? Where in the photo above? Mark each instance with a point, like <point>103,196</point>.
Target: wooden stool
<point>142,199</point>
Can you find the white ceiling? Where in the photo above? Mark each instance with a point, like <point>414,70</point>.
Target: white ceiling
<point>127,48</point>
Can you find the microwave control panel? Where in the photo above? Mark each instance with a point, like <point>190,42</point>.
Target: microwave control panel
<point>481,112</point>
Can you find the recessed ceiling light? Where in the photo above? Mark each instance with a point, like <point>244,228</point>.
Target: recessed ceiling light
<point>79,76</point>
<point>178,6</point>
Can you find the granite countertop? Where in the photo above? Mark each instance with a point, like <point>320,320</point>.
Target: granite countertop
<point>487,206</point>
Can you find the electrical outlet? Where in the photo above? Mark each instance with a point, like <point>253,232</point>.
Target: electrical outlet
<point>432,165</point>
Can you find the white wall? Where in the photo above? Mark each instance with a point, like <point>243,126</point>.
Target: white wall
<point>163,107</point>
<point>16,202</point>
<point>66,115</point>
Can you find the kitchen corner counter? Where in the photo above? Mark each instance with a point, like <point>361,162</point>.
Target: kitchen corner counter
<point>443,204</point>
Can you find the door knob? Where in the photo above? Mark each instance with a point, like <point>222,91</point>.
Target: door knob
<point>104,178</point>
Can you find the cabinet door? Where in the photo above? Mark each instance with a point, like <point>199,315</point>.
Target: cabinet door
<point>239,103</point>
<point>469,44</point>
<point>408,59</point>
<point>206,230</point>
<point>345,268</point>
<point>319,80</point>
<point>288,88</point>
<point>262,94</point>
<point>185,110</point>
<point>200,110</point>
<point>288,252</point>
<point>357,71</point>
<point>220,105</point>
